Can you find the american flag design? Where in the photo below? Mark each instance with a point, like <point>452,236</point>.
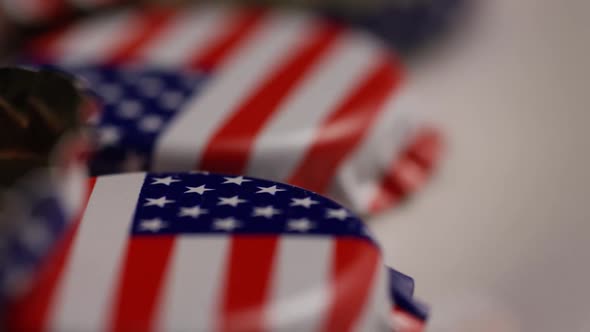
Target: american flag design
<point>206,252</point>
<point>272,94</point>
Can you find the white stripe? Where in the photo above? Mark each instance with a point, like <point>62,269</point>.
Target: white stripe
<point>292,131</point>
<point>94,39</point>
<point>194,280</point>
<point>72,189</point>
<point>190,32</point>
<point>180,146</point>
<point>301,282</point>
<point>357,180</point>
<point>86,289</point>
<point>377,314</point>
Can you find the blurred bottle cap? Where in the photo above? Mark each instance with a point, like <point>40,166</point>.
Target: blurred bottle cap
<point>276,94</point>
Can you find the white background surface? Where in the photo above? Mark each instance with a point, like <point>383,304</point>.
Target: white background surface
<point>503,231</point>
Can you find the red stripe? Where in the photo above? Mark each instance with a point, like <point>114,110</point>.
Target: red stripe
<point>389,194</point>
<point>427,147</point>
<point>30,313</point>
<point>138,289</point>
<point>248,282</point>
<point>409,171</point>
<point>345,128</point>
<point>354,271</point>
<point>149,24</point>
<point>241,26</point>
<point>228,150</point>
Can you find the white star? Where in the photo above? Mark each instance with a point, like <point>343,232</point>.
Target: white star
<point>36,236</point>
<point>299,225</point>
<point>129,109</point>
<point>151,86</point>
<point>166,180</point>
<point>306,202</point>
<point>161,202</point>
<point>108,135</point>
<point>226,224</point>
<point>152,225</point>
<point>340,214</point>
<point>171,100</point>
<point>110,92</point>
<point>267,212</point>
<point>193,212</point>
<point>150,123</point>
<point>269,190</point>
<point>233,201</point>
<point>235,180</point>
<point>199,190</point>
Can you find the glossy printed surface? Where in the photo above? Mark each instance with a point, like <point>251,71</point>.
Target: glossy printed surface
<point>252,253</point>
